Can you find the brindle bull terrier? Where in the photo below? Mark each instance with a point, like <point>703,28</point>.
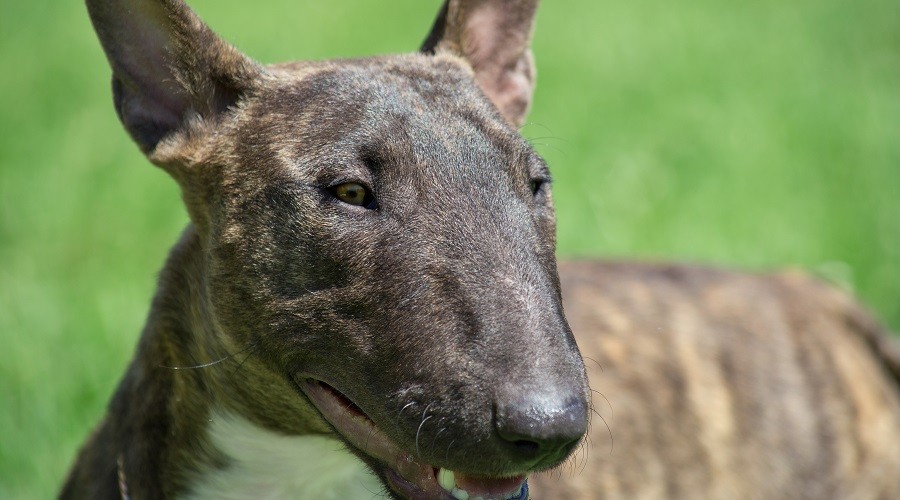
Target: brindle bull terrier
<point>366,302</point>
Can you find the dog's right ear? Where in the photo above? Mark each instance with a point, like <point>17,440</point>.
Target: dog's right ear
<point>494,36</point>
<point>168,67</point>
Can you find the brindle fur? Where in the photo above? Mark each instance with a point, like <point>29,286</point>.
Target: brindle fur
<point>724,385</point>
<point>720,385</point>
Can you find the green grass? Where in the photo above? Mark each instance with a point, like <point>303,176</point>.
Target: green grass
<point>757,135</point>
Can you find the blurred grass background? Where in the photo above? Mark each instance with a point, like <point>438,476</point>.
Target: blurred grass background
<point>759,135</point>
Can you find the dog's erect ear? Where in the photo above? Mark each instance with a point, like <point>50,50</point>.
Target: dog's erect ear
<point>495,37</point>
<point>167,66</point>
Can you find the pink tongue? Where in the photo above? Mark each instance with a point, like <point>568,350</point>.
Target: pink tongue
<point>483,486</point>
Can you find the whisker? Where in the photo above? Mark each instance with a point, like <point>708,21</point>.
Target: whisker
<point>586,449</point>
<point>447,452</point>
<point>595,362</point>
<point>536,124</point>
<point>440,430</point>
<point>611,410</point>
<point>419,430</point>
<point>211,363</point>
<point>407,405</point>
<point>551,146</point>
<point>240,365</point>
<point>608,430</point>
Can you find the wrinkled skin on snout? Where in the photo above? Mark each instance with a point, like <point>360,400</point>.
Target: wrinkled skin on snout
<point>436,310</point>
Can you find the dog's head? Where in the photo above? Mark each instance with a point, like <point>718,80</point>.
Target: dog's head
<point>375,232</point>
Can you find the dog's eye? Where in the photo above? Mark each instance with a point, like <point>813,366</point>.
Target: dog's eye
<point>538,186</point>
<point>353,193</point>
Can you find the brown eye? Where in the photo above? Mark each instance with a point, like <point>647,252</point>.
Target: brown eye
<point>353,193</point>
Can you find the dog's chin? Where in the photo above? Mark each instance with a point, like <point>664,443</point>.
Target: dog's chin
<point>407,476</point>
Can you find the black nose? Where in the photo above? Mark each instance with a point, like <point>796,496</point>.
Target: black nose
<point>541,430</point>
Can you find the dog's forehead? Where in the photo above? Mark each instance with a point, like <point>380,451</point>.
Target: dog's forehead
<point>401,80</point>
<point>427,103</point>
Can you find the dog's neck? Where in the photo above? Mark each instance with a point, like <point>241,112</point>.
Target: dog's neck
<point>163,403</point>
<point>262,463</point>
<point>183,378</point>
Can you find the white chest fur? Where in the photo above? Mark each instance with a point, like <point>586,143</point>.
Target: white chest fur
<point>268,465</point>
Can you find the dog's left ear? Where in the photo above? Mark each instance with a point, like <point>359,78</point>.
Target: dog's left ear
<point>494,36</point>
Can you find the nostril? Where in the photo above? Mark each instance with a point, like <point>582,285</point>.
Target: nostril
<point>541,428</point>
<point>526,446</point>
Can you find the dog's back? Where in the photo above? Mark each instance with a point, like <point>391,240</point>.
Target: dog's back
<point>717,384</point>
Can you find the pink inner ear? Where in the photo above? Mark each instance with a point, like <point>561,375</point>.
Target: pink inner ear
<point>511,89</point>
<point>495,41</point>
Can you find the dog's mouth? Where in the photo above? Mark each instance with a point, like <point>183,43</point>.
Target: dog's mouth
<point>406,475</point>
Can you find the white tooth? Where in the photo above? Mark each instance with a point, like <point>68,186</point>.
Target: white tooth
<point>446,479</point>
<point>459,494</point>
